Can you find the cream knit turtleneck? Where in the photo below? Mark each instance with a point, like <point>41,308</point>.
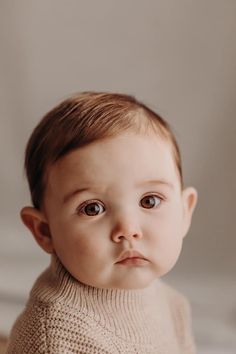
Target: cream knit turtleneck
<point>64,316</point>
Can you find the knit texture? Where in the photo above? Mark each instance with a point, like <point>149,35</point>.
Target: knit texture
<point>64,316</point>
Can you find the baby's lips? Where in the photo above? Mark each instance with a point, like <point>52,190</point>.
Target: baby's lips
<point>130,254</point>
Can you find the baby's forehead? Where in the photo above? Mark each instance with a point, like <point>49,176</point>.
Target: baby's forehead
<point>114,140</point>
<point>114,161</point>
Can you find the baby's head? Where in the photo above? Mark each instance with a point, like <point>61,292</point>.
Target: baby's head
<point>92,163</point>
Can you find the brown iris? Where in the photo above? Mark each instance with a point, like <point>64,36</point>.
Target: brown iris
<point>149,201</point>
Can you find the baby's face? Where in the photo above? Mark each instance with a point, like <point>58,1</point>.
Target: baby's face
<point>105,198</point>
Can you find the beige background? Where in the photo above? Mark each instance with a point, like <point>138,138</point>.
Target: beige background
<point>179,57</point>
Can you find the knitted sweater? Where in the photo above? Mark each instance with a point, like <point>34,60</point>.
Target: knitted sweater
<point>64,316</point>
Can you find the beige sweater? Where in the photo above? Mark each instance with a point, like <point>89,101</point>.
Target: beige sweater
<point>64,316</point>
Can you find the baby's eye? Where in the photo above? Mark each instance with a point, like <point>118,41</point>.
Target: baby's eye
<point>91,209</point>
<point>150,201</point>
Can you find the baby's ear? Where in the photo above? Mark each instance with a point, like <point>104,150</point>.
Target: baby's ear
<point>189,198</point>
<point>38,225</point>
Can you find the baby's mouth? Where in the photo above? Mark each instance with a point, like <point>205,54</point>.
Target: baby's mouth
<point>131,257</point>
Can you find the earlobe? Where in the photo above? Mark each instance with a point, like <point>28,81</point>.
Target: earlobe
<point>190,197</point>
<point>35,221</point>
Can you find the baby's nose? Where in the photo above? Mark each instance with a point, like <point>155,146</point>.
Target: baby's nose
<point>128,229</point>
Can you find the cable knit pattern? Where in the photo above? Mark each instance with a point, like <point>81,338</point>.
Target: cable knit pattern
<point>64,316</point>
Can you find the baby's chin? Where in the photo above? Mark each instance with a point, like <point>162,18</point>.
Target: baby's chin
<point>129,278</point>
<point>129,283</point>
<point>134,284</point>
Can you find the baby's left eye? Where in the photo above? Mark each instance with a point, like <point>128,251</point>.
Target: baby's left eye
<point>150,201</point>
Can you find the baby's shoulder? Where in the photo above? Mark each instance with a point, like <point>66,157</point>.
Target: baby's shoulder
<point>181,313</point>
<point>54,327</point>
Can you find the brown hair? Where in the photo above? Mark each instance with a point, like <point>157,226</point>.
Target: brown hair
<point>84,118</point>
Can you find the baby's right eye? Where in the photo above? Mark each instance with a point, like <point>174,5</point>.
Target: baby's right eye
<point>91,208</point>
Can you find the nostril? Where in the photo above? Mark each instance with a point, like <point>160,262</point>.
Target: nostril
<point>128,236</point>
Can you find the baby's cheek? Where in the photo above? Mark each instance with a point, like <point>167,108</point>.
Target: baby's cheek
<point>166,250</point>
<point>87,245</point>
<point>172,252</point>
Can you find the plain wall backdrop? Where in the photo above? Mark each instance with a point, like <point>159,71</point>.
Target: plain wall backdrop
<point>178,57</point>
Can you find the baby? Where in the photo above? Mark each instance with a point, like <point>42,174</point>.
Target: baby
<point>109,206</point>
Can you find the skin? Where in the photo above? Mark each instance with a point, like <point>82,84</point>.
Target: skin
<point>151,218</point>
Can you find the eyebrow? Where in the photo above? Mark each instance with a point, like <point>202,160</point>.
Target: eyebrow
<point>77,191</point>
<point>156,181</point>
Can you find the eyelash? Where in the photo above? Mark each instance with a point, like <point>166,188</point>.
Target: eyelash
<point>84,206</point>
<point>79,210</point>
